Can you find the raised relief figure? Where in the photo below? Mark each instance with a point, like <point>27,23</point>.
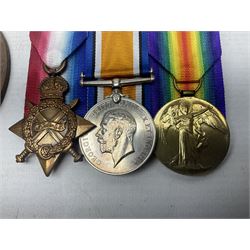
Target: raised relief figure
<point>116,134</point>
<point>187,118</point>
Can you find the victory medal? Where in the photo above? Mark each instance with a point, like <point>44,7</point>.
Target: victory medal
<point>192,134</point>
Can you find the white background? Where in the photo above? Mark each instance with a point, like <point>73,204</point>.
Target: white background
<point>76,190</point>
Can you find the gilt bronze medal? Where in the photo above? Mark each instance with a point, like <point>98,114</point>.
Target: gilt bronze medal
<point>192,133</point>
<point>51,126</point>
<point>193,136</point>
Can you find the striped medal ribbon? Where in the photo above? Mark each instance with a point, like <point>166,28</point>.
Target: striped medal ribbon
<point>124,136</point>
<point>184,56</point>
<point>51,49</point>
<point>193,135</point>
<point>121,54</point>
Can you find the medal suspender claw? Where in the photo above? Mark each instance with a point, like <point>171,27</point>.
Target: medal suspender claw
<point>124,136</point>
<point>192,134</point>
<point>50,127</point>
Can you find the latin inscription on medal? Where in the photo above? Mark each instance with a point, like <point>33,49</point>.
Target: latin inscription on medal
<point>123,139</point>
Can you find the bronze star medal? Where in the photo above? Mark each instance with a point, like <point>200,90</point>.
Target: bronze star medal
<point>51,126</point>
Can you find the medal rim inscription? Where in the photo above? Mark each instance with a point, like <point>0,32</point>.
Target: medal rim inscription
<point>219,115</point>
<point>5,55</point>
<point>107,100</point>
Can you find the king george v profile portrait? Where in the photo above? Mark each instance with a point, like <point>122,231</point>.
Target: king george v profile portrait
<point>116,134</point>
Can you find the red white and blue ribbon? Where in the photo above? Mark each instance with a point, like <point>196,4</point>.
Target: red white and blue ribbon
<point>82,51</point>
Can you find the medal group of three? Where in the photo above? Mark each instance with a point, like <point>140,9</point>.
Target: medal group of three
<point>118,81</point>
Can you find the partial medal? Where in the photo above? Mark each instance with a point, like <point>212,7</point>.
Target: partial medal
<point>51,126</point>
<point>124,136</point>
<point>4,66</point>
<point>192,134</point>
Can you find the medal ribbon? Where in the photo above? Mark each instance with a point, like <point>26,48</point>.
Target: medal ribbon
<point>97,54</point>
<point>49,48</point>
<point>121,54</point>
<point>187,57</point>
<point>54,47</point>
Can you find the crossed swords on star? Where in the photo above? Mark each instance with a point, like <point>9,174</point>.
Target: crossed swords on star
<point>56,135</point>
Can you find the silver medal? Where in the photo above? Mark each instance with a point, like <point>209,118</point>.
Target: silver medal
<point>124,136</point>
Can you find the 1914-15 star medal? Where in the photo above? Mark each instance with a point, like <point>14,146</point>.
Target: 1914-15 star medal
<point>51,126</point>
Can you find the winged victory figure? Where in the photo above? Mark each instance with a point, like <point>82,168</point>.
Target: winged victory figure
<point>187,119</point>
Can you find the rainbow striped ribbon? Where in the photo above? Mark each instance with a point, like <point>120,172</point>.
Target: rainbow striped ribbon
<point>186,56</point>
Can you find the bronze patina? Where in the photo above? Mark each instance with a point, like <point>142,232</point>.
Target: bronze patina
<point>51,126</point>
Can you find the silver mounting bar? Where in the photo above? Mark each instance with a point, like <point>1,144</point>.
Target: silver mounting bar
<point>117,82</point>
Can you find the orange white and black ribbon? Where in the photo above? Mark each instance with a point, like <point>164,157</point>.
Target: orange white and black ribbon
<point>121,54</point>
